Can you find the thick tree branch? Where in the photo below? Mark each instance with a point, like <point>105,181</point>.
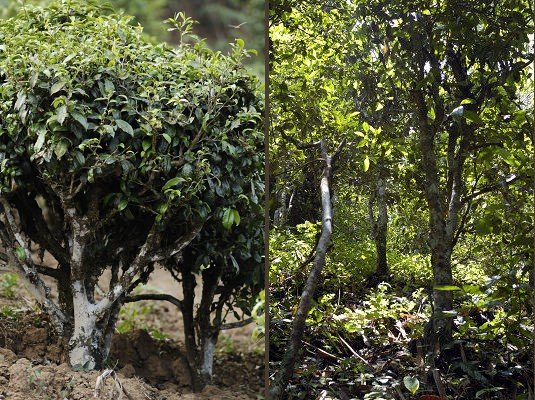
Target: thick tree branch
<point>154,296</point>
<point>176,247</point>
<point>147,254</point>
<point>298,144</point>
<point>52,272</point>
<point>37,229</point>
<point>26,268</point>
<point>490,188</point>
<point>237,324</point>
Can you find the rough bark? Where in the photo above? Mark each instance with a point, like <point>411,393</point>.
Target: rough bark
<point>291,356</point>
<point>200,334</point>
<point>444,207</point>
<point>85,324</point>
<point>188,317</point>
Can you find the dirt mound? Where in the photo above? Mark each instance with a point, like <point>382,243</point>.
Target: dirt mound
<point>32,366</point>
<point>21,380</point>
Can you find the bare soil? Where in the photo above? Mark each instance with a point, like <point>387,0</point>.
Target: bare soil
<point>32,363</point>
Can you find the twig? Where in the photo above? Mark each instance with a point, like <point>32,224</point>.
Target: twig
<point>438,382</point>
<point>352,350</point>
<point>323,351</point>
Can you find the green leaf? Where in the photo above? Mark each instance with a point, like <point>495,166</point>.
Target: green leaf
<point>236,217</point>
<point>61,114</point>
<point>40,141</point>
<point>167,138</point>
<point>431,114</point>
<point>240,43</point>
<point>146,144</point>
<point>109,86</point>
<point>472,116</point>
<point>56,87</point>
<point>468,101</point>
<point>61,148</point>
<point>228,218</point>
<point>187,169</point>
<point>447,288</point>
<point>79,157</point>
<point>366,164</point>
<point>122,204</point>
<point>80,119</point>
<point>21,254</point>
<point>411,383</point>
<point>173,182</point>
<point>125,126</point>
<point>21,99</point>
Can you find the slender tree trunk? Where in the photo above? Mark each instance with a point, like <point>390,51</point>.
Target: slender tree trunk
<point>291,356</point>
<point>206,356</point>
<point>200,335</point>
<point>188,316</point>
<point>439,329</point>
<point>208,335</point>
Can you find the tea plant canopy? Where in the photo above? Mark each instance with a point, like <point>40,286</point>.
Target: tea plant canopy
<point>114,153</point>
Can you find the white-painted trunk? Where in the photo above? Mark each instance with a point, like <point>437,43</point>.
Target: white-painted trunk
<point>208,350</point>
<point>86,339</point>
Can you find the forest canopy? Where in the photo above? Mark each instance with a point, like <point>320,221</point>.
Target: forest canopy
<point>432,195</point>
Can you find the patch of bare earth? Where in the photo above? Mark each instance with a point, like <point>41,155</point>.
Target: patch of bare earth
<point>32,365</point>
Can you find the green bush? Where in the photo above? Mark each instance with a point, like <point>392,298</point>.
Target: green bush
<point>118,153</point>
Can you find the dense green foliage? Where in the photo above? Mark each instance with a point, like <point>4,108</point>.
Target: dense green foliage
<point>379,74</point>
<point>119,153</point>
<point>129,115</point>
<point>220,22</point>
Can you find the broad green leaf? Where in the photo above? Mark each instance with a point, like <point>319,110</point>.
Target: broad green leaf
<point>61,114</point>
<point>366,164</point>
<point>109,86</point>
<point>472,116</point>
<point>122,204</point>
<point>60,149</point>
<point>411,383</point>
<point>236,217</point>
<point>187,169</point>
<point>447,288</point>
<point>146,144</point>
<point>80,119</point>
<point>79,157</point>
<point>468,101</point>
<point>228,218</point>
<point>56,87</point>
<point>21,254</point>
<point>431,114</point>
<point>40,141</point>
<point>125,126</point>
<point>172,182</point>
<point>21,99</point>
